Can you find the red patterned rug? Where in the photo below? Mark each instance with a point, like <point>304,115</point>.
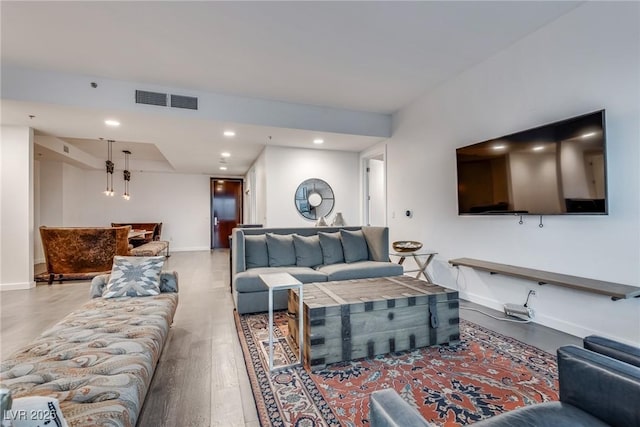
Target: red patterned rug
<point>486,374</point>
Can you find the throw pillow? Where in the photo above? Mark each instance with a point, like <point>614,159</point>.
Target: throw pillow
<point>331,248</point>
<point>281,250</point>
<point>36,411</point>
<point>308,250</point>
<point>255,251</point>
<point>134,276</point>
<point>169,281</point>
<point>354,245</point>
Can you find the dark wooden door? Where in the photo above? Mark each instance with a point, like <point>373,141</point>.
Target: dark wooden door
<point>226,210</point>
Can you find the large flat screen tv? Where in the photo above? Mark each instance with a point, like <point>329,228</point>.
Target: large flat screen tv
<point>555,169</point>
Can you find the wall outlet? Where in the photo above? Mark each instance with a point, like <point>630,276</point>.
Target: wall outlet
<point>519,311</point>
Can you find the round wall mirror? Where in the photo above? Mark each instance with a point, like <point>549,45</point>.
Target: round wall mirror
<point>314,198</point>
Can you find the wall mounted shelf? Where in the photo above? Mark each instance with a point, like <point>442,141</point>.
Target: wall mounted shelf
<point>614,290</point>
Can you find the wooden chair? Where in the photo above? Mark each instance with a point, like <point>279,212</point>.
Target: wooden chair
<point>77,253</point>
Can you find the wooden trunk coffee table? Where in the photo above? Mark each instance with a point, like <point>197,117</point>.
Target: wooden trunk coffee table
<point>350,319</point>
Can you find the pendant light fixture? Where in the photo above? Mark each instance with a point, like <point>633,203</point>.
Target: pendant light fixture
<point>127,175</point>
<point>109,166</point>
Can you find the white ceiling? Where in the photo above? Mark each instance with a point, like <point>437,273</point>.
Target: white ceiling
<point>366,56</point>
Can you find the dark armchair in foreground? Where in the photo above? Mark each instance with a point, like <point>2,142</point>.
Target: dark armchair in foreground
<point>599,386</point>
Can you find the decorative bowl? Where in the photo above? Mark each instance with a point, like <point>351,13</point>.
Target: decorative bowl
<point>406,246</point>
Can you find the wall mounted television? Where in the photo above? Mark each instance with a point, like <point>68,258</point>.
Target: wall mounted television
<point>556,169</point>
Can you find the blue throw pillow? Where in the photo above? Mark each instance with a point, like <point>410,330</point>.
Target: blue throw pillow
<point>281,250</point>
<point>354,246</point>
<point>308,250</point>
<point>134,276</point>
<point>255,251</point>
<point>331,248</point>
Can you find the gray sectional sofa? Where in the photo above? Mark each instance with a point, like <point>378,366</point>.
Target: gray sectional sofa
<point>317,254</point>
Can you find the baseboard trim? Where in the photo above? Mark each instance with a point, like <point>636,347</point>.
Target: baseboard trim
<point>17,286</point>
<point>189,249</point>
<point>546,320</point>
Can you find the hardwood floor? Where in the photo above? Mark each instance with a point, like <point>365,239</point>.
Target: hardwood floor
<point>201,379</point>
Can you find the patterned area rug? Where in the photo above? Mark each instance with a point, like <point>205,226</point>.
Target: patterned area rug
<point>486,374</point>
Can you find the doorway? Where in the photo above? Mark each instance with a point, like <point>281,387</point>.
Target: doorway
<point>375,211</point>
<point>226,209</point>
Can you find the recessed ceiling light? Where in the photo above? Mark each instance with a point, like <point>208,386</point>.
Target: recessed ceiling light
<point>111,122</point>
<point>225,154</point>
<point>229,133</point>
<point>587,135</point>
<point>538,148</point>
<point>499,147</point>
<point>318,141</point>
<point>223,168</point>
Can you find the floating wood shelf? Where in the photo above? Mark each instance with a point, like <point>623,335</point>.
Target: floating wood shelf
<point>615,290</point>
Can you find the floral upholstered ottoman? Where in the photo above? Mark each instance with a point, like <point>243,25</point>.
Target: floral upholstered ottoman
<point>99,360</point>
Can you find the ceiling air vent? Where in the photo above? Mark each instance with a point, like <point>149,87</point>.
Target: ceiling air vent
<point>151,98</point>
<point>189,102</point>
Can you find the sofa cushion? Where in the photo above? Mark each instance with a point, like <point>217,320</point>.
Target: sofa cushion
<point>255,250</point>
<point>553,413</point>
<point>331,248</point>
<point>134,277</point>
<point>280,249</point>
<point>354,246</point>
<point>308,250</point>
<point>248,281</point>
<point>360,270</point>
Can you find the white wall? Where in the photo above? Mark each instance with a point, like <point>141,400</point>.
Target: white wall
<point>16,208</point>
<point>260,189</point>
<point>38,253</point>
<point>179,201</point>
<point>376,193</point>
<point>72,197</point>
<point>378,151</point>
<point>51,188</point>
<point>286,168</point>
<point>49,204</point>
<point>584,61</point>
<point>59,199</point>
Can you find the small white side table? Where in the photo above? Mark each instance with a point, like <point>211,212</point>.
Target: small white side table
<point>277,281</point>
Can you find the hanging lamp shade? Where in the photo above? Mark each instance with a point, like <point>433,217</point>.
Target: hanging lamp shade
<point>109,165</point>
<point>127,175</point>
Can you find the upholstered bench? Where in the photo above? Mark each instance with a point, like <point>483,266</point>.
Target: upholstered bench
<point>153,248</point>
<point>99,360</point>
